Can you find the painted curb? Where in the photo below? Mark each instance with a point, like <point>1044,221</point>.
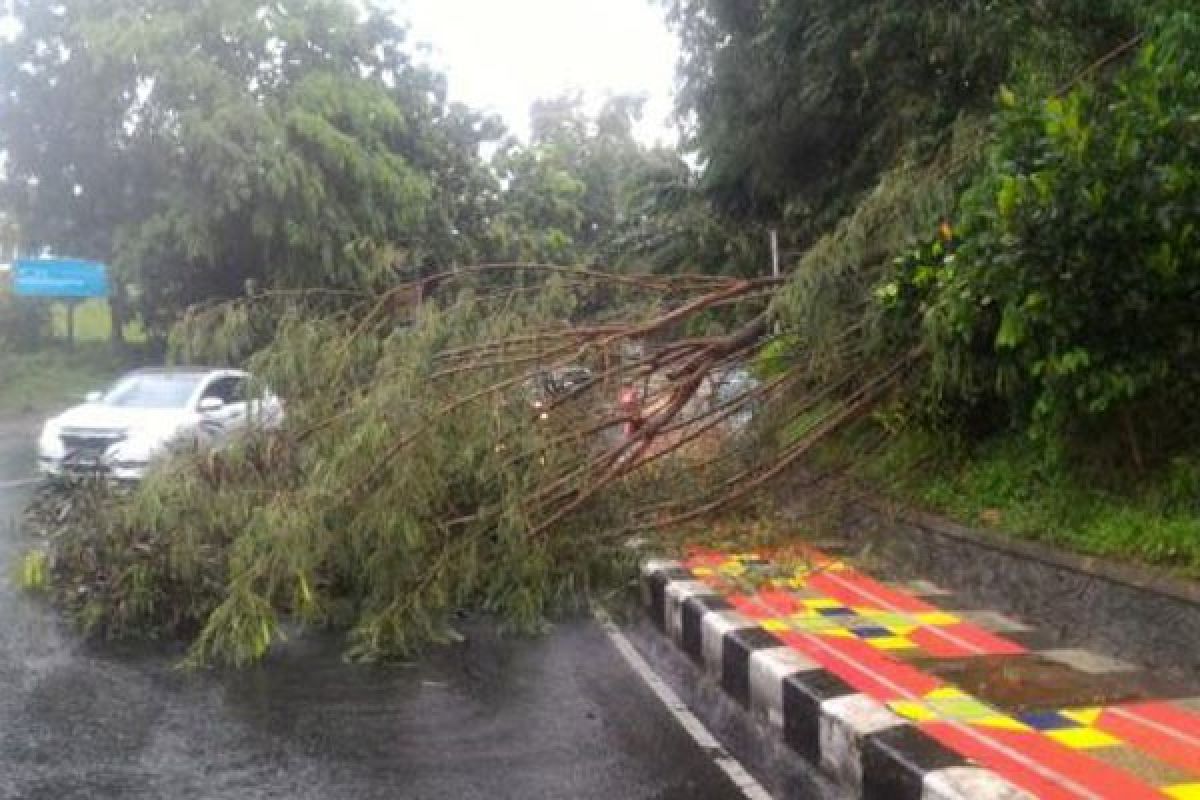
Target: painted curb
<point>861,746</point>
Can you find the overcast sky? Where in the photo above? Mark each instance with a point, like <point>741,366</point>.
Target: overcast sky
<point>501,55</point>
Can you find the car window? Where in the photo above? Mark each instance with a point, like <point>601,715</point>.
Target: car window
<point>152,391</point>
<point>228,390</point>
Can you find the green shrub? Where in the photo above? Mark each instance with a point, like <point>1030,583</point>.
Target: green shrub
<point>1073,296</point>
<point>1002,483</point>
<point>23,324</point>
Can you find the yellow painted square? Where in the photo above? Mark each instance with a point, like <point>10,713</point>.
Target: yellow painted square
<point>937,618</point>
<point>947,693</point>
<point>1000,722</point>
<point>702,572</point>
<point>816,624</point>
<point>891,643</point>
<point>1086,717</point>
<point>837,633</point>
<point>962,710</point>
<point>798,583</point>
<point>1184,791</point>
<point>734,568</point>
<point>1084,738</point>
<point>817,603</point>
<point>917,712</point>
<point>775,625</point>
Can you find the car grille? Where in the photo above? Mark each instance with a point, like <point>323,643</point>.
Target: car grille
<point>86,448</point>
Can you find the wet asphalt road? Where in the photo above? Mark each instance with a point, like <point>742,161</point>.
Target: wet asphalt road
<point>557,717</point>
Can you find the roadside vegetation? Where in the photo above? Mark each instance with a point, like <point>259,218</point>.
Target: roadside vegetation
<point>40,372</point>
<point>987,216</point>
<point>1059,320</point>
<point>1006,486</point>
<point>93,323</point>
<point>54,378</point>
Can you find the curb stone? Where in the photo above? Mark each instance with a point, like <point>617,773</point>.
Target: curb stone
<point>864,748</point>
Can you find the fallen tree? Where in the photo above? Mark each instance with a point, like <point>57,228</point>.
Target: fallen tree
<point>416,478</point>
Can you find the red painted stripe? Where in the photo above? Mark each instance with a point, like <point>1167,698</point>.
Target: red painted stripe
<point>863,667</point>
<point>939,646</point>
<point>781,602</point>
<point>1164,731</point>
<point>947,641</point>
<point>776,604</point>
<point>855,589</point>
<point>704,558</point>
<point>857,663</point>
<point>1049,770</point>
<point>748,606</point>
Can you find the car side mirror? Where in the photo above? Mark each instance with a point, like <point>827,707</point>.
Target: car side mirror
<point>210,404</point>
<point>93,397</point>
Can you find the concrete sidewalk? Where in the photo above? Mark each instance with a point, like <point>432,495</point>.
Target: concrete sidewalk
<point>894,693</point>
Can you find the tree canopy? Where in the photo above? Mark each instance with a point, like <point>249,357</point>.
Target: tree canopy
<point>795,107</point>
<point>201,146</point>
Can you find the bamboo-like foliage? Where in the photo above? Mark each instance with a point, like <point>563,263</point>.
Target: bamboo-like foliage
<point>414,477</point>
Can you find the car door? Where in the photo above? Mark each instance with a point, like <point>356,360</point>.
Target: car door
<point>219,425</point>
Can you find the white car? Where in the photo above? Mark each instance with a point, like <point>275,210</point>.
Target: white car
<point>120,432</point>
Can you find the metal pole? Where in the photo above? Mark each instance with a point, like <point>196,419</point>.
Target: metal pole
<point>774,253</point>
<point>774,234</point>
<point>71,304</point>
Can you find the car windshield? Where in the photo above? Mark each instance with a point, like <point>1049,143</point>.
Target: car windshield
<point>166,390</point>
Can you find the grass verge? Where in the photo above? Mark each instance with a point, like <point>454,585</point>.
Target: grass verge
<point>1004,484</point>
<point>53,378</point>
<point>93,323</point>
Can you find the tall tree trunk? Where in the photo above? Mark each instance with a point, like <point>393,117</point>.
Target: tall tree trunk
<point>118,316</point>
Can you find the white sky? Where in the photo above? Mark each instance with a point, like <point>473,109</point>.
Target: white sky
<point>501,55</point>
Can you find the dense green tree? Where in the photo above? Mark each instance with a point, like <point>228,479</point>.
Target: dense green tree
<point>670,226</point>
<point>1072,296</point>
<point>567,192</point>
<point>202,146</point>
<point>796,106</point>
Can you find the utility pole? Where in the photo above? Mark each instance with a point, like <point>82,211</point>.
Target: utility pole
<point>774,235</point>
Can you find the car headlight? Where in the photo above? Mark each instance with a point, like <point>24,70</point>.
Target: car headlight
<point>50,444</point>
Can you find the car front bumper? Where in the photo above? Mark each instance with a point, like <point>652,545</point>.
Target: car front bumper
<point>124,472</point>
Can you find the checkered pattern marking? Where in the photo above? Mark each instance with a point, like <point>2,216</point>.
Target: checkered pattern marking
<point>833,600</point>
<point>872,636</point>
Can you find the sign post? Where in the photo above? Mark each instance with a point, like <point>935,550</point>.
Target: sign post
<point>70,279</point>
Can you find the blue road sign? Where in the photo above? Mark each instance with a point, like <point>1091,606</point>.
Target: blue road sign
<point>59,277</point>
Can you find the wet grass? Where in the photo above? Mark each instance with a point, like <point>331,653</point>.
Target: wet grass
<point>1006,485</point>
<point>54,378</point>
<point>93,323</point>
